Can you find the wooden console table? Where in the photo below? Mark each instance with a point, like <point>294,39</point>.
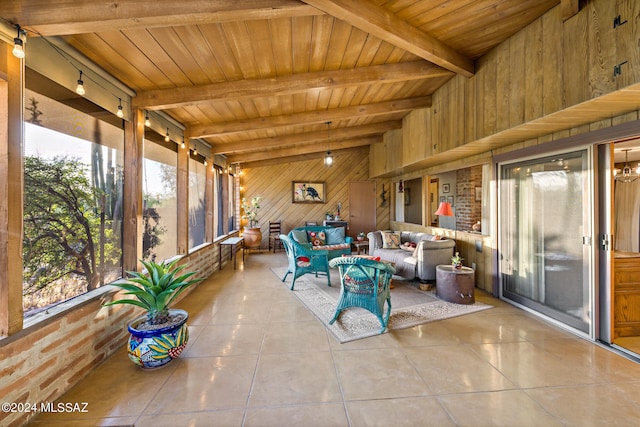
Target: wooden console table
<point>233,242</point>
<point>454,285</point>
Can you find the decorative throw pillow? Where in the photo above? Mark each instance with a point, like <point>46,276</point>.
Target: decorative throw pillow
<point>335,236</point>
<point>317,238</point>
<point>390,240</point>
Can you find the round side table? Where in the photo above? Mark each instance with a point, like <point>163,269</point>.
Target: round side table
<point>454,285</point>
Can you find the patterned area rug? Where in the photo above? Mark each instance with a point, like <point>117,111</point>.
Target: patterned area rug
<point>409,306</point>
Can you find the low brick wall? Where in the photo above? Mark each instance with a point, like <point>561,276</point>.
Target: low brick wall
<point>42,362</point>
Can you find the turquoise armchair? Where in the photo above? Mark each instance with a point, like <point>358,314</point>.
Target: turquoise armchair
<point>365,284</point>
<point>303,260</point>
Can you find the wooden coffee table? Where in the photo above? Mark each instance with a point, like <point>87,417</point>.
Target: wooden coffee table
<point>362,246</point>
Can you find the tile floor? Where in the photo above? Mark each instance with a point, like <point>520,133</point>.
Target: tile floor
<point>257,357</point>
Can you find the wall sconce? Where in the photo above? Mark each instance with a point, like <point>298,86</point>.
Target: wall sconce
<point>400,187</point>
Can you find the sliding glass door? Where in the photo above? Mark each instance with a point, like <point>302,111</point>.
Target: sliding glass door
<point>544,236</point>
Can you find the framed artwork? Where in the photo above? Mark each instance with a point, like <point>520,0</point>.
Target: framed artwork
<point>445,188</point>
<point>478,194</point>
<point>450,200</point>
<point>443,199</point>
<point>308,192</point>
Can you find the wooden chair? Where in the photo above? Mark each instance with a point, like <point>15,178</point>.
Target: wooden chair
<point>365,284</point>
<point>275,228</point>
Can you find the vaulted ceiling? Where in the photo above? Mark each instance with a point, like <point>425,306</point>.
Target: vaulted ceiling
<point>259,80</point>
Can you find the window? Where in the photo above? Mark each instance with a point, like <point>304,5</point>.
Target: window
<point>159,201</point>
<point>197,206</point>
<point>73,205</point>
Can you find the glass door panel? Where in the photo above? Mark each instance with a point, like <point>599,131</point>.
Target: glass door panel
<point>544,264</point>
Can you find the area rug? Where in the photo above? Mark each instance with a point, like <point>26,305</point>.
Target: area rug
<point>410,306</point>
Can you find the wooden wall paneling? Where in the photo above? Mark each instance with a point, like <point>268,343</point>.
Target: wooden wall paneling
<point>457,112</point>
<point>552,64</point>
<point>517,87</point>
<point>576,59</point>
<point>503,72</point>
<point>274,185</point>
<point>470,106</point>
<point>627,41</point>
<point>393,149</point>
<point>478,79</point>
<point>435,113</point>
<point>533,61</point>
<point>489,100</point>
<point>602,48</point>
<point>415,142</point>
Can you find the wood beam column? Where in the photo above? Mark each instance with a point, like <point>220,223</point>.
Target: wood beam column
<point>208,200</point>
<point>11,192</point>
<point>133,158</point>
<point>183,201</point>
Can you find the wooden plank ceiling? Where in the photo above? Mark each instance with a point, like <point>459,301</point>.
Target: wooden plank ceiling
<point>259,80</point>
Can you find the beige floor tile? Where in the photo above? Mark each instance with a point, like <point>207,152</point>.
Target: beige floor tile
<point>527,365</point>
<point>503,408</point>
<point>378,374</point>
<point>402,412</point>
<point>201,384</point>
<point>84,421</point>
<point>433,333</point>
<point>602,405</point>
<point>456,369</point>
<point>232,418</point>
<point>290,310</point>
<point>114,395</point>
<point>226,340</point>
<point>479,330</point>
<point>295,378</point>
<point>376,341</point>
<point>295,337</point>
<point>323,415</point>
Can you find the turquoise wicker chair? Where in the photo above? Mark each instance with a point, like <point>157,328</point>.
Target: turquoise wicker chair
<point>365,284</point>
<point>303,260</point>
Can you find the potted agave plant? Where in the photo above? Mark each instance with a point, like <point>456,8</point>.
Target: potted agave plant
<point>160,335</point>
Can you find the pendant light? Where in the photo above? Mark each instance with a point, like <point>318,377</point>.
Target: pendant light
<point>80,88</point>
<point>328,158</point>
<point>18,44</point>
<point>627,174</point>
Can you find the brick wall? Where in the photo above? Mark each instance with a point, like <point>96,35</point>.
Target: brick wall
<point>41,363</point>
<point>468,211</point>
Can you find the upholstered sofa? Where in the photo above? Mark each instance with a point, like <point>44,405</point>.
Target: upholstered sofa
<point>320,237</point>
<point>415,255</point>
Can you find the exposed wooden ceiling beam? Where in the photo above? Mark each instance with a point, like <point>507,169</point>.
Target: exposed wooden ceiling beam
<point>305,138</point>
<point>295,151</point>
<point>363,151</point>
<point>376,20</point>
<point>569,8</point>
<point>64,17</point>
<point>162,99</point>
<point>313,117</point>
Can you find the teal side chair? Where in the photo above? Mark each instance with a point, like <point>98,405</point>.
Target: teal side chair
<point>365,284</point>
<point>303,260</point>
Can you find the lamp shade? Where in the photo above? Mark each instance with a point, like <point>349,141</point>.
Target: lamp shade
<point>444,209</point>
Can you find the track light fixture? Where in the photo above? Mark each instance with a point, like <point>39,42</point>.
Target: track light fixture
<point>147,122</point>
<point>166,137</point>
<point>120,113</point>
<point>80,88</point>
<point>18,44</point>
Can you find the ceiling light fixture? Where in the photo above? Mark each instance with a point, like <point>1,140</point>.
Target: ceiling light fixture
<point>195,150</point>
<point>147,122</point>
<point>80,88</point>
<point>328,158</point>
<point>166,137</point>
<point>120,113</point>
<point>627,174</point>
<point>18,44</point>
<point>183,144</point>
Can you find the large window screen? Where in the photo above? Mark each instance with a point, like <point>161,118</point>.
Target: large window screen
<point>73,188</point>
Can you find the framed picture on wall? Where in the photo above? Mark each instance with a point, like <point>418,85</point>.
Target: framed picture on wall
<point>308,192</point>
<point>445,188</point>
<point>450,200</point>
<point>443,199</point>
